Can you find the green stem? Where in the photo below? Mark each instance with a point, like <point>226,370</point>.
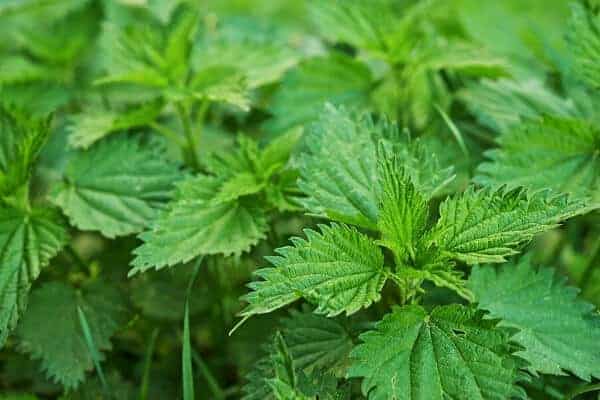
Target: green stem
<point>208,375</point>
<point>590,266</point>
<point>581,390</point>
<point>192,144</point>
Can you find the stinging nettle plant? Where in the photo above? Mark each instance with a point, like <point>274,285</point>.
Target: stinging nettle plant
<point>309,200</point>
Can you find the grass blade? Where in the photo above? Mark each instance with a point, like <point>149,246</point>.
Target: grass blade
<point>89,340</point>
<point>147,365</point>
<point>186,354</point>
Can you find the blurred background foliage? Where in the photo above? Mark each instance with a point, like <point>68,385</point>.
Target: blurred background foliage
<point>105,66</point>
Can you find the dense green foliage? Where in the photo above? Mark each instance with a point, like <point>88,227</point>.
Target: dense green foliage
<point>299,200</point>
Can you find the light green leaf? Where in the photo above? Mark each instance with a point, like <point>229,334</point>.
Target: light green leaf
<point>21,140</point>
<point>490,225</point>
<point>116,187</point>
<point>339,169</point>
<point>304,90</point>
<point>553,152</point>
<point>194,224</point>
<point>60,345</point>
<point>91,126</point>
<point>451,353</point>
<point>28,240</point>
<point>558,331</point>
<point>339,269</point>
<point>503,104</point>
<point>403,210</point>
<point>221,84</point>
<point>584,43</point>
<point>240,184</point>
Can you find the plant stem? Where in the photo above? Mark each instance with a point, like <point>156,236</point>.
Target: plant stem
<point>594,260</point>
<point>208,375</point>
<point>192,144</point>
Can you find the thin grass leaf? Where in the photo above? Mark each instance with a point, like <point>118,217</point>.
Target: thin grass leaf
<point>89,340</point>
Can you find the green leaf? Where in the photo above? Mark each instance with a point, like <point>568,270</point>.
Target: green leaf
<point>262,61</point>
<point>490,225</point>
<point>61,345</point>
<point>304,90</point>
<point>194,224</point>
<point>317,343</point>
<point>503,104</point>
<point>584,43</point>
<point>21,140</point>
<point>403,211</point>
<point>240,184</point>
<point>553,152</point>
<point>339,169</point>
<point>91,126</point>
<point>451,353</point>
<point>558,331</point>
<point>220,84</point>
<point>339,269</point>
<point>116,187</point>
<point>28,240</point>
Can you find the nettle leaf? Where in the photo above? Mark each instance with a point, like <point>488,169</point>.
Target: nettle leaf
<point>116,187</point>
<point>362,24</point>
<point>315,350</point>
<point>552,153</point>
<point>403,211</point>
<point>317,343</point>
<point>558,331</point>
<point>21,140</point>
<point>263,61</point>
<point>60,344</point>
<point>87,128</point>
<point>489,225</point>
<point>195,224</point>
<point>336,78</point>
<point>28,240</point>
<point>584,43</point>
<point>339,269</point>
<point>503,104</point>
<point>451,353</point>
<point>339,169</point>
<point>220,84</point>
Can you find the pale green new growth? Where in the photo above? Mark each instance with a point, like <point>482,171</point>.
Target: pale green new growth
<point>51,331</point>
<point>403,211</point>
<point>558,153</point>
<point>451,353</point>
<point>558,331</point>
<point>489,225</point>
<point>94,124</point>
<point>28,240</point>
<point>339,269</point>
<point>116,187</point>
